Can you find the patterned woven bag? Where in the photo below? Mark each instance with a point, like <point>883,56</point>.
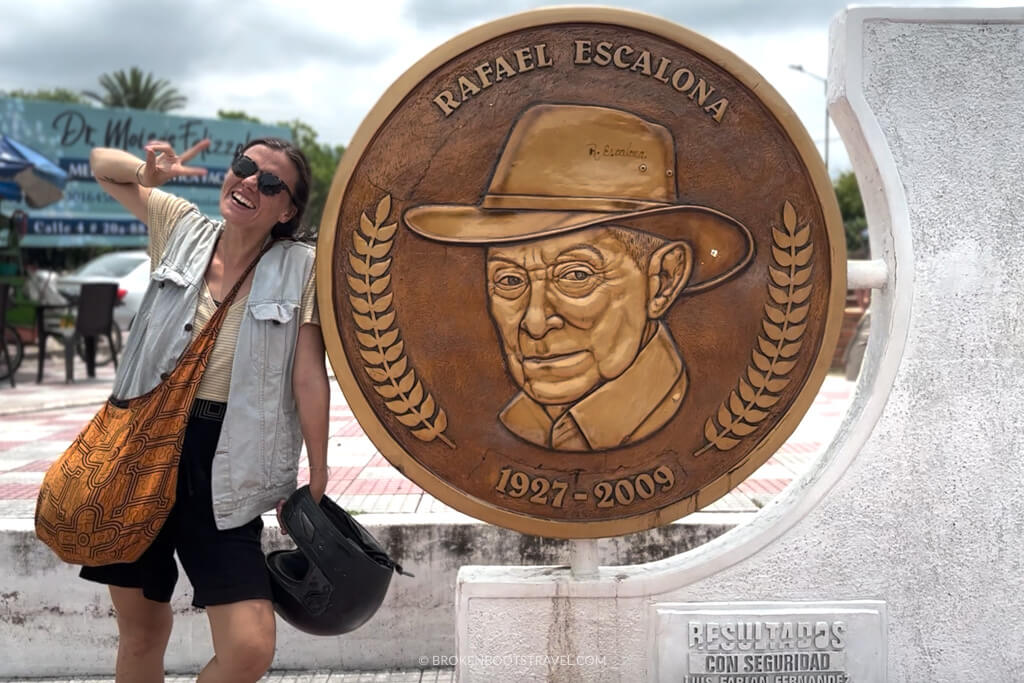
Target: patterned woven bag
<point>107,497</point>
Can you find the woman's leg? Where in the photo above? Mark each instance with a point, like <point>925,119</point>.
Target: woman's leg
<point>144,627</point>
<point>141,592</point>
<point>243,641</point>
<point>227,567</point>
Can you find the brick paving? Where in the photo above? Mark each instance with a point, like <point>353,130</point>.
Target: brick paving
<point>54,392</point>
<point>37,421</point>
<point>444,675</point>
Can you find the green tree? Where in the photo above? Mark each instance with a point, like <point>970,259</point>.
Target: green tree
<point>236,115</point>
<point>55,95</point>
<point>137,90</point>
<point>323,161</point>
<point>851,207</point>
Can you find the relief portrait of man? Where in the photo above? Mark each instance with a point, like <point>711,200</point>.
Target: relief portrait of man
<point>587,248</point>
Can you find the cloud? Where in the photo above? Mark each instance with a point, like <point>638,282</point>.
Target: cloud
<point>46,44</point>
<point>328,63</point>
<point>726,16</point>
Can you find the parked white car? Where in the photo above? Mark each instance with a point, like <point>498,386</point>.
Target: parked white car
<point>129,269</point>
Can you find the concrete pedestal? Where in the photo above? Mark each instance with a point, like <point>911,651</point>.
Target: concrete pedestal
<point>45,608</point>
<point>917,504</point>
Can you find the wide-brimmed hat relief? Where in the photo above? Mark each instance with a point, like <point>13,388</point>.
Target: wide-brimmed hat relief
<point>336,579</point>
<point>570,167</point>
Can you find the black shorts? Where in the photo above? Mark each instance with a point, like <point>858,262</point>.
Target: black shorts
<point>223,566</point>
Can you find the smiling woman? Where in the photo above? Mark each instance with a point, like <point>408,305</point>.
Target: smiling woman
<point>247,164</point>
<point>237,293</point>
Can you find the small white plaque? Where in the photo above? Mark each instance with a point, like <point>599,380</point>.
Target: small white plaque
<point>770,642</point>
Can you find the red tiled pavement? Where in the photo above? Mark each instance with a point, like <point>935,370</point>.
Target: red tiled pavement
<point>363,479</point>
<point>18,491</point>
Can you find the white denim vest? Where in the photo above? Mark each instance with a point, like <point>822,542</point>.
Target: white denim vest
<point>256,462</point>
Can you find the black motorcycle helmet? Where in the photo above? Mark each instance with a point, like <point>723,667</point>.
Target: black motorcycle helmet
<point>337,577</point>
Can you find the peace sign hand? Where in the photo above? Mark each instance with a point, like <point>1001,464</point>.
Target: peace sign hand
<point>163,164</point>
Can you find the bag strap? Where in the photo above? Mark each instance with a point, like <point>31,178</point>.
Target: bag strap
<point>192,364</point>
<point>213,326</point>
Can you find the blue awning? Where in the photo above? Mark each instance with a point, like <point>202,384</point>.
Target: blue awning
<point>22,168</point>
<point>10,191</point>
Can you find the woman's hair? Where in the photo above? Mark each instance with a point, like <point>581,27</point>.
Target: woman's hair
<point>301,190</point>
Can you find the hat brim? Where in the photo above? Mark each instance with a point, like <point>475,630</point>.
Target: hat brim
<point>722,246</point>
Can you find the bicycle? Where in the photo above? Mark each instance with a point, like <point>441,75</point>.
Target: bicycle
<point>103,353</point>
<point>15,350</point>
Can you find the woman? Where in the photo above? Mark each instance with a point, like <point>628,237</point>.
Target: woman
<point>264,391</point>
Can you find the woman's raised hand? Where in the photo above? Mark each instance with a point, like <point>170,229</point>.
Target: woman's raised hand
<point>163,164</point>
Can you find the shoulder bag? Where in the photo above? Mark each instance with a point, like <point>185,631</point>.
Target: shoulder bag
<point>106,498</point>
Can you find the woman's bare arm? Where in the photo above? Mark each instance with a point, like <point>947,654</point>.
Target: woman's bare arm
<point>312,398</point>
<point>114,170</point>
<point>128,179</point>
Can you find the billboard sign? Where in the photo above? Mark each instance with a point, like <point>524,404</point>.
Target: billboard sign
<point>66,133</point>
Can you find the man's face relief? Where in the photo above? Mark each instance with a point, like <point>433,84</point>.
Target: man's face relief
<point>571,310</point>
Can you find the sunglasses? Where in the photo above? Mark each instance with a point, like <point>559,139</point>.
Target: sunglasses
<point>268,183</point>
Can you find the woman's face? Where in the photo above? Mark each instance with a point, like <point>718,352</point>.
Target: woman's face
<point>243,205</point>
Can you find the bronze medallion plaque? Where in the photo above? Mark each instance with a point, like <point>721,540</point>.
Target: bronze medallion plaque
<point>581,272</point>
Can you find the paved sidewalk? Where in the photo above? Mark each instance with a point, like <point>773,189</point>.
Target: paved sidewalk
<point>38,421</point>
<point>399,676</point>
<point>53,392</point>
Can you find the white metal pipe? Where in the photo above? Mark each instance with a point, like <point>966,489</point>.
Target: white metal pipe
<point>867,274</point>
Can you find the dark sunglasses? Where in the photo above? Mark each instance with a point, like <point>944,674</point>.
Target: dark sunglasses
<point>268,183</point>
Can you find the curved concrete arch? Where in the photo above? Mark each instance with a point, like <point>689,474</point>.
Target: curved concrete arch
<point>888,223</point>
<point>920,483</point>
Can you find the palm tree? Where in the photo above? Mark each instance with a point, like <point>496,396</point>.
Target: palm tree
<point>137,91</point>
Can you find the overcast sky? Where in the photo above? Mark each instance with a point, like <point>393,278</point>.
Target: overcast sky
<point>327,63</point>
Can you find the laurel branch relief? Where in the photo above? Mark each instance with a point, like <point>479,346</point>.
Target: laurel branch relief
<point>774,356</point>
<point>381,345</point>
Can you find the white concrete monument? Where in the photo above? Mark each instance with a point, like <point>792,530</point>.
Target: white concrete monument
<point>899,556</point>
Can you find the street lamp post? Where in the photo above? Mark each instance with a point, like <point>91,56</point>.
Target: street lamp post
<point>801,69</point>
